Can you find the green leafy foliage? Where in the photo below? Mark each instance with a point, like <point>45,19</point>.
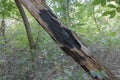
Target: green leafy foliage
<point>111,13</point>
<point>8,8</point>
<point>106,13</point>
<point>111,6</point>
<point>114,4</point>
<point>118,9</point>
<point>102,2</point>
<point>96,2</point>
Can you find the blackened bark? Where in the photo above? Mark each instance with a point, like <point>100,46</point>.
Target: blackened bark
<point>62,34</point>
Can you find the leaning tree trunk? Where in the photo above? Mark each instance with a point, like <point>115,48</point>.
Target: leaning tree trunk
<point>66,39</point>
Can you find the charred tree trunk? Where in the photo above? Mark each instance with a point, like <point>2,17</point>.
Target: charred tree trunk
<point>66,39</point>
<point>27,25</point>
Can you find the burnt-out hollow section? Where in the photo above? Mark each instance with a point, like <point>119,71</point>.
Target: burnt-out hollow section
<point>62,34</point>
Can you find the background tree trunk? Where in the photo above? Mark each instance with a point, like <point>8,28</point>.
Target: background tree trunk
<point>27,25</point>
<point>2,29</point>
<point>66,39</point>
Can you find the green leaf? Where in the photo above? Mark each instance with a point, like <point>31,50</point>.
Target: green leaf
<point>110,0</point>
<point>103,2</point>
<point>117,1</point>
<point>111,6</point>
<point>96,2</point>
<point>112,14</point>
<point>106,13</point>
<point>118,9</point>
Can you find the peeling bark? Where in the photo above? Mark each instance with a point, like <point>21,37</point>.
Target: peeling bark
<point>65,38</point>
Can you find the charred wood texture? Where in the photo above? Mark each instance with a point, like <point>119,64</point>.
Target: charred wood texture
<point>65,38</point>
